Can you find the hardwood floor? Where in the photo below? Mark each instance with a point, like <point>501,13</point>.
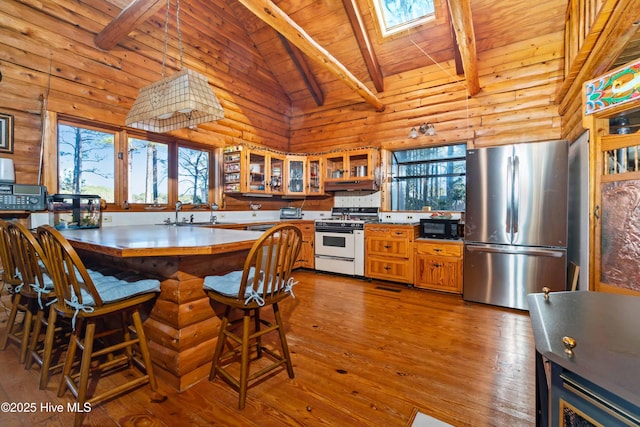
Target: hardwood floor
<point>364,353</point>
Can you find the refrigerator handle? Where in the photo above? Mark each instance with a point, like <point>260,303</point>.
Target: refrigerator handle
<point>531,251</point>
<point>516,193</point>
<point>509,193</point>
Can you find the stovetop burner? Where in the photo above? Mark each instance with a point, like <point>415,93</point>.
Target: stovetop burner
<point>364,214</point>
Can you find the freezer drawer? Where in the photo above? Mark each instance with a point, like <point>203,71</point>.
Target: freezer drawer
<point>504,275</point>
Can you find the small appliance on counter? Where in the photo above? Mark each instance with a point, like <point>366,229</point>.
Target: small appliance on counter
<point>74,211</point>
<point>290,213</point>
<point>439,228</point>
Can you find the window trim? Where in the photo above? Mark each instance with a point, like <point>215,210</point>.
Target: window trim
<point>121,138</point>
<point>388,165</point>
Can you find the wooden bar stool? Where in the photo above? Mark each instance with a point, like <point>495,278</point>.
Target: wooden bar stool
<point>23,298</point>
<point>91,303</point>
<point>33,265</point>
<point>265,281</point>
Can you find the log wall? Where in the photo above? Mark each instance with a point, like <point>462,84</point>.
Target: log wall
<point>47,55</point>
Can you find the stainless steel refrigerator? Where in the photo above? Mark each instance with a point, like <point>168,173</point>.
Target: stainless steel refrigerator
<point>515,222</point>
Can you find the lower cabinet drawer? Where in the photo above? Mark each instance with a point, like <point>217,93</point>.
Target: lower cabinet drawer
<point>392,269</point>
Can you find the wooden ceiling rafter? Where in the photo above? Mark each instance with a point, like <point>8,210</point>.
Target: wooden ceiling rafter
<point>462,22</point>
<point>273,16</point>
<point>137,12</point>
<point>301,65</point>
<point>370,58</point>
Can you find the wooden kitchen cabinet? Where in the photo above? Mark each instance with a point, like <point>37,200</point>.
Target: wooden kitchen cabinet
<point>315,166</point>
<point>615,169</point>
<point>306,257</point>
<point>296,175</point>
<point>389,252</point>
<point>438,265</point>
<point>232,166</point>
<point>351,164</point>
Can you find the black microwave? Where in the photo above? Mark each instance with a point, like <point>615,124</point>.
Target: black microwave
<point>439,228</point>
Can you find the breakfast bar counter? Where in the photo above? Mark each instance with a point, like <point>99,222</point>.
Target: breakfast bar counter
<point>182,325</point>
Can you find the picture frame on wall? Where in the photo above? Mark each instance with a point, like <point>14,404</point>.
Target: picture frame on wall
<point>6,133</point>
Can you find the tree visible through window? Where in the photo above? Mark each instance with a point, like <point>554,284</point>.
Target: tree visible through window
<point>85,161</point>
<point>148,171</point>
<point>434,177</point>
<point>193,175</point>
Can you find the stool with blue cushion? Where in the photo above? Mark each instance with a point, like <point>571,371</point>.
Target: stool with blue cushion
<point>88,302</point>
<point>23,298</point>
<point>265,280</point>
<point>32,265</point>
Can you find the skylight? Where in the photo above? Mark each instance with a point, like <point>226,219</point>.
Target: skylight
<point>399,15</point>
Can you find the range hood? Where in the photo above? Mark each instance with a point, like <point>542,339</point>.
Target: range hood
<point>351,185</point>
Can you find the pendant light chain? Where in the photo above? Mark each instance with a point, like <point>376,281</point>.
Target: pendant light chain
<point>166,37</point>
<point>179,32</point>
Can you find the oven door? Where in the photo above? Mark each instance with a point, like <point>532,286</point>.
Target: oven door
<point>335,244</point>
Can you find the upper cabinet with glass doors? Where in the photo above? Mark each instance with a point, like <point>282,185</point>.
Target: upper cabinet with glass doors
<point>265,172</point>
<point>351,165</point>
<point>315,167</point>
<point>296,175</point>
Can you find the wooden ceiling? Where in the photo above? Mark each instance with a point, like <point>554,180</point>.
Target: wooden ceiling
<point>329,51</point>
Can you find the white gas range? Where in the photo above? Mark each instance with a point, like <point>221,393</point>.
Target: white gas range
<point>339,240</point>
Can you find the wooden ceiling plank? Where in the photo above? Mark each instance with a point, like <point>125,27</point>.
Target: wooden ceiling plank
<point>127,20</point>
<point>370,58</point>
<point>268,12</point>
<point>302,66</point>
<point>463,25</point>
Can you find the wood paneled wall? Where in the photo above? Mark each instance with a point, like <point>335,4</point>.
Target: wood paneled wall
<point>47,47</point>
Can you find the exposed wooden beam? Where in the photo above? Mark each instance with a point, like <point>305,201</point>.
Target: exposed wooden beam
<point>364,43</point>
<point>127,20</point>
<point>463,25</point>
<point>456,51</point>
<point>273,16</point>
<point>301,64</point>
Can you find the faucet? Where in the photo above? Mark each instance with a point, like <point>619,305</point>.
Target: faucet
<point>213,218</point>
<point>178,207</point>
<point>191,219</point>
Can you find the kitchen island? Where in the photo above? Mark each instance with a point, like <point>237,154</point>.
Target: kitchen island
<point>182,325</point>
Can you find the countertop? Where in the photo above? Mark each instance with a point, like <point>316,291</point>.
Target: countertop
<point>605,327</point>
<point>161,240</point>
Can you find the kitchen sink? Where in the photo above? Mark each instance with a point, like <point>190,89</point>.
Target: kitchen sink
<point>186,224</point>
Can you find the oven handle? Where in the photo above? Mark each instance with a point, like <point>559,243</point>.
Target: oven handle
<point>338,231</point>
<point>336,258</point>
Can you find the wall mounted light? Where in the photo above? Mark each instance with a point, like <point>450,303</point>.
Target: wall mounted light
<point>425,129</point>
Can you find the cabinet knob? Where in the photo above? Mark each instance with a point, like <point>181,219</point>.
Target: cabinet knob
<point>569,345</point>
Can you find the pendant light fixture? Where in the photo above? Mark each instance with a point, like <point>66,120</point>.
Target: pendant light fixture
<point>182,100</point>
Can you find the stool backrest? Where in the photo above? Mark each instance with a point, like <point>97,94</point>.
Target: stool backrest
<point>10,273</point>
<point>67,271</point>
<point>29,258</point>
<point>271,260</point>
